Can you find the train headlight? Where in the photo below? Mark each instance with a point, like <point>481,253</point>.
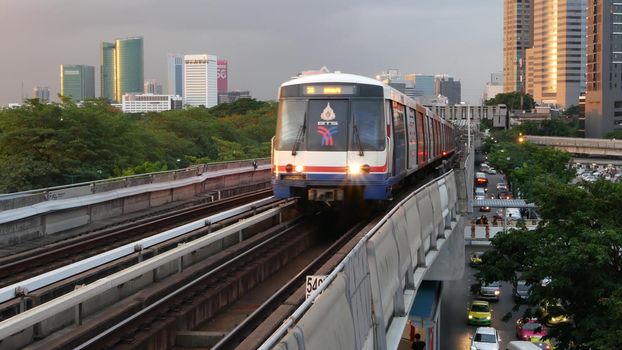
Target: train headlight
<point>299,168</point>
<point>365,168</point>
<point>289,168</point>
<point>354,169</point>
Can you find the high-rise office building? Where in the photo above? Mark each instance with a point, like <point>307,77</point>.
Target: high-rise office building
<point>200,79</point>
<point>493,87</point>
<point>556,62</point>
<point>175,64</point>
<point>603,100</point>
<point>449,87</point>
<point>42,93</point>
<point>152,86</point>
<point>424,84</point>
<point>517,36</point>
<point>223,79</point>
<point>122,68</point>
<point>77,81</point>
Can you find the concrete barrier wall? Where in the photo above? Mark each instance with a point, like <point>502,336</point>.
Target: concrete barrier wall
<point>121,202</point>
<point>63,220</point>
<point>106,210</point>
<point>21,201</point>
<point>380,277</point>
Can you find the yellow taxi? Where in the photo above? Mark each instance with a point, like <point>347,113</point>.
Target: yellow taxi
<point>480,313</point>
<point>544,344</point>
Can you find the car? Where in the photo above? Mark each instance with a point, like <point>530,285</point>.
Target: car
<point>552,314</point>
<point>526,328</point>
<point>520,290</point>
<point>479,313</point>
<point>501,186</point>
<point>479,196</point>
<point>521,345</point>
<point>544,344</point>
<point>504,195</point>
<point>490,291</point>
<point>479,191</point>
<point>481,181</point>
<point>492,171</point>
<point>485,338</point>
<point>476,259</point>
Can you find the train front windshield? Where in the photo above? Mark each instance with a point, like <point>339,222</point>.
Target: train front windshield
<point>330,125</point>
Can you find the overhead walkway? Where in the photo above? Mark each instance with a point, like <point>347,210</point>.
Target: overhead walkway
<point>592,147</point>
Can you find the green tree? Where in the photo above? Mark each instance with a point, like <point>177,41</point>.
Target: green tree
<point>512,101</point>
<point>616,134</point>
<point>578,247</point>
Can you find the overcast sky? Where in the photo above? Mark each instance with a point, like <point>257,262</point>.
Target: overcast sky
<point>266,42</point>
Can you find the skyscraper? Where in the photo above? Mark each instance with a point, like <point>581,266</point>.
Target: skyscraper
<point>122,68</point>
<point>42,93</point>
<point>603,100</point>
<point>556,62</point>
<point>175,64</point>
<point>152,86</point>
<point>450,88</point>
<point>200,79</point>
<point>517,37</point>
<point>424,84</point>
<point>77,81</point>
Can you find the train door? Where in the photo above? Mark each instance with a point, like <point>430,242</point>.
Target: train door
<point>399,138</point>
<point>412,139</point>
<point>421,138</point>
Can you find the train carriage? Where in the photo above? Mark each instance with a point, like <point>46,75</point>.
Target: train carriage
<point>340,135</point>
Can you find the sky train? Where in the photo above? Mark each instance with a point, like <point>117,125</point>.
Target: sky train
<point>340,134</point>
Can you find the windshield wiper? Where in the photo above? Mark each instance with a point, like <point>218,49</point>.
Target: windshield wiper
<point>301,134</point>
<point>357,138</point>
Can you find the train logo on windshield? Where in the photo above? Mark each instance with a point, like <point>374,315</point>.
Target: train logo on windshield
<point>327,127</point>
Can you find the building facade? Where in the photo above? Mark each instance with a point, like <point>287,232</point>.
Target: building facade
<point>425,85</point>
<point>42,93</point>
<point>175,67</point>
<point>143,103</point>
<point>517,38</point>
<point>152,86</point>
<point>493,87</point>
<point>200,80</point>
<point>122,68</point>
<point>556,62</point>
<point>232,96</point>
<point>449,87</point>
<point>77,81</point>
<point>603,100</point>
<point>223,76</point>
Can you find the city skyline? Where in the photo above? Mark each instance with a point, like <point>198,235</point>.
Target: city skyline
<point>264,47</point>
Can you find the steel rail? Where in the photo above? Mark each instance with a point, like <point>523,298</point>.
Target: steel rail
<point>48,278</point>
<point>40,313</point>
<point>235,336</point>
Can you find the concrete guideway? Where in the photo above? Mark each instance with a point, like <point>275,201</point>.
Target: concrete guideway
<point>364,302</point>
<point>72,299</point>
<point>76,207</point>
<point>48,278</point>
<point>89,199</point>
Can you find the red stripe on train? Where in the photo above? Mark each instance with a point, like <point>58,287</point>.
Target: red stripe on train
<point>334,169</point>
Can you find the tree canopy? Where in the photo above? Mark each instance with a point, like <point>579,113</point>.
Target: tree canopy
<point>44,145</point>
<point>512,101</point>
<point>577,246</point>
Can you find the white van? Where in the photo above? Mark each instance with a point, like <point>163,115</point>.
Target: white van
<point>522,345</point>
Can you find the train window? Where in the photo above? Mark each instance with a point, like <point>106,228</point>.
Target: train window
<point>290,124</point>
<point>328,125</point>
<point>368,122</point>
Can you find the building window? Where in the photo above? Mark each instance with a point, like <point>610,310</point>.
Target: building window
<point>617,104</point>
